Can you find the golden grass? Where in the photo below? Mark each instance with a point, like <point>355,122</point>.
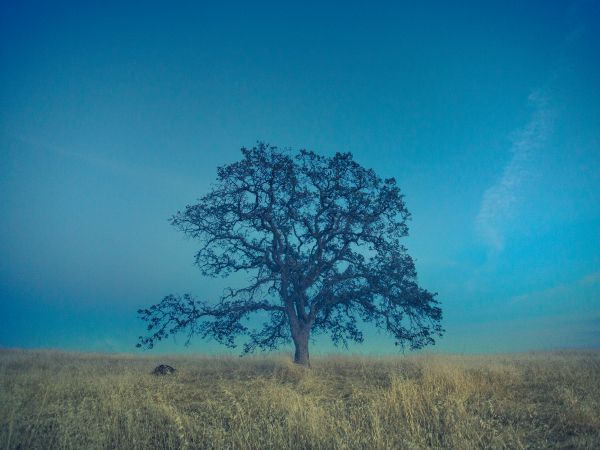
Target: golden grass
<point>86,401</point>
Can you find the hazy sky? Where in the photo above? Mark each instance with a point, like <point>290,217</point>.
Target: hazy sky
<point>113,117</point>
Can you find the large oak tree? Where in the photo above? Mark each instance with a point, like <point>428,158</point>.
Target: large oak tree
<point>319,239</point>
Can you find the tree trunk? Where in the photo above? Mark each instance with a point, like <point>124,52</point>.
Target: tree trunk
<point>301,342</point>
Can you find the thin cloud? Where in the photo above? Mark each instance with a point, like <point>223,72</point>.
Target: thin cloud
<point>500,200</point>
<point>592,278</point>
<point>113,166</point>
<point>564,291</point>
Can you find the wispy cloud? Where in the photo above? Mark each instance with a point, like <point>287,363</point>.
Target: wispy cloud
<point>591,278</point>
<point>499,203</point>
<point>113,166</point>
<point>563,292</point>
<point>500,200</point>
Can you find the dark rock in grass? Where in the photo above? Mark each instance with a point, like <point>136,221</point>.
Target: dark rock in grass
<point>163,369</point>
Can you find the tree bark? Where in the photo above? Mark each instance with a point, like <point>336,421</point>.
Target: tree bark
<point>301,356</point>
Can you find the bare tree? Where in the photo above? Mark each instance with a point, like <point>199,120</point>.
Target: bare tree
<point>319,239</point>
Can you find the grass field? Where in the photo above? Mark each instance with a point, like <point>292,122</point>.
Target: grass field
<point>86,401</point>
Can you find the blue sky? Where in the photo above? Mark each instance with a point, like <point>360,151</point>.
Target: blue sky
<point>113,117</point>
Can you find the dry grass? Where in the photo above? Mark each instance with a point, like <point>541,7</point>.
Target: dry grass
<point>87,401</point>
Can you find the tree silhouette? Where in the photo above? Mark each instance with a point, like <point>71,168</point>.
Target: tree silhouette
<point>319,239</point>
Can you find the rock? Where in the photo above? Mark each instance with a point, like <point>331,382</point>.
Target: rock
<point>163,369</point>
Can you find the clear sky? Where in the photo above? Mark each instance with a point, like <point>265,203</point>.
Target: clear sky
<point>114,116</point>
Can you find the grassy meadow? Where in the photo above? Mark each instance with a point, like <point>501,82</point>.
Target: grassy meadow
<point>56,400</point>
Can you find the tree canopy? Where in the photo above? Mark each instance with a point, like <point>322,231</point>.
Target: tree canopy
<point>319,239</point>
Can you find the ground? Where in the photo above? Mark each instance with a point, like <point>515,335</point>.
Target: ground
<point>52,399</point>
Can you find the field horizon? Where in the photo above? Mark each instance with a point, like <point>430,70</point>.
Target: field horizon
<point>63,399</point>
<point>154,353</point>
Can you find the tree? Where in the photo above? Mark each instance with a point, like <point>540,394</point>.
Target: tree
<point>319,239</point>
